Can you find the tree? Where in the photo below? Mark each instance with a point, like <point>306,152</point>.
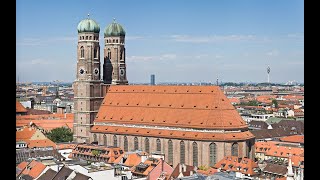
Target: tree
<point>275,103</point>
<point>61,134</point>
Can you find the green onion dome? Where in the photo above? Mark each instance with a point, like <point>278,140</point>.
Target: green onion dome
<point>114,29</point>
<point>88,25</point>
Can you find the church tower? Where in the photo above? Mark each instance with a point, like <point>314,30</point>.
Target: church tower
<point>87,86</point>
<point>114,67</point>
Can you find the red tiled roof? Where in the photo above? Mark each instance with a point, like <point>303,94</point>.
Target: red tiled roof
<point>40,143</point>
<point>274,149</point>
<point>294,138</point>
<point>176,106</point>
<point>233,163</point>
<point>47,121</point>
<point>33,169</point>
<point>20,108</point>
<point>227,136</point>
<point>25,134</point>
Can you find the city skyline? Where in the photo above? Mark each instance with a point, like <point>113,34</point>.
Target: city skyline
<point>188,42</point>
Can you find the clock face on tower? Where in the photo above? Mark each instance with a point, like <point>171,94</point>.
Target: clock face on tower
<point>96,71</point>
<point>81,71</point>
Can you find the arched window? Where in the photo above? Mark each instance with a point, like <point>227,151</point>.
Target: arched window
<point>94,138</point>
<point>89,37</point>
<point>82,52</point>
<point>125,143</point>
<point>113,40</point>
<point>86,37</point>
<point>182,153</point>
<point>115,141</point>
<point>105,140</point>
<point>146,144</point>
<point>95,53</point>
<point>170,152</point>
<point>158,145</point>
<point>234,149</point>
<point>107,41</point>
<point>195,153</point>
<point>136,143</point>
<point>249,149</point>
<point>212,154</point>
<point>117,41</point>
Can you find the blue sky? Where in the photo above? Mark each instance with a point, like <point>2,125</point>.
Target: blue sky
<point>178,41</point>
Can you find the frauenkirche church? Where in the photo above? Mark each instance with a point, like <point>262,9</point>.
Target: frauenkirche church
<point>195,125</point>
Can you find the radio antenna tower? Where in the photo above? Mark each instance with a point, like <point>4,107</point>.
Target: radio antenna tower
<point>268,71</point>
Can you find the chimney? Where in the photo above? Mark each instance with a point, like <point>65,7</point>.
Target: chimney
<point>161,165</point>
<point>180,168</point>
<point>184,168</point>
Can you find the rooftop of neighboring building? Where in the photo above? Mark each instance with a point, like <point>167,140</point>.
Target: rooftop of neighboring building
<point>49,174</point>
<point>275,169</point>
<point>33,168</point>
<point>237,164</point>
<point>20,108</point>
<point>183,169</point>
<point>276,149</point>
<point>294,139</point>
<point>271,133</point>
<point>258,124</point>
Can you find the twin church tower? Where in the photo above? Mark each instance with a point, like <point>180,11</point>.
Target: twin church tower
<point>89,88</point>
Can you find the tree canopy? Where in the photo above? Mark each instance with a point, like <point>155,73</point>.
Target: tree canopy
<point>61,134</point>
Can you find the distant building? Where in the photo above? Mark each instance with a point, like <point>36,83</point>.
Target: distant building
<point>153,82</point>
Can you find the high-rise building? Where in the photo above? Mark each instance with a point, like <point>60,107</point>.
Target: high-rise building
<point>152,82</point>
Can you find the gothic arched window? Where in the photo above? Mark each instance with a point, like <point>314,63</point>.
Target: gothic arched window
<point>158,145</point>
<point>212,154</point>
<point>115,141</point>
<point>146,144</point>
<point>170,152</point>
<point>125,143</point>
<point>94,138</point>
<point>81,52</point>
<point>182,152</point>
<point>234,149</point>
<point>136,143</point>
<point>195,154</point>
<point>105,140</point>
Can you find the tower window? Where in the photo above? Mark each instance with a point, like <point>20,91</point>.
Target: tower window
<point>117,41</point>
<point>81,52</point>
<point>107,41</point>
<point>113,40</point>
<point>89,37</point>
<point>95,54</point>
<point>80,37</point>
<point>86,37</point>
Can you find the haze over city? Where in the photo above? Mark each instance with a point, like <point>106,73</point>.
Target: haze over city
<point>178,41</point>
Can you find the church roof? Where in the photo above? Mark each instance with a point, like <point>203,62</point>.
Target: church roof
<point>197,107</point>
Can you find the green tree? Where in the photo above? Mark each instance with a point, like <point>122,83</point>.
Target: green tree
<point>275,103</point>
<point>61,134</point>
<point>95,152</point>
